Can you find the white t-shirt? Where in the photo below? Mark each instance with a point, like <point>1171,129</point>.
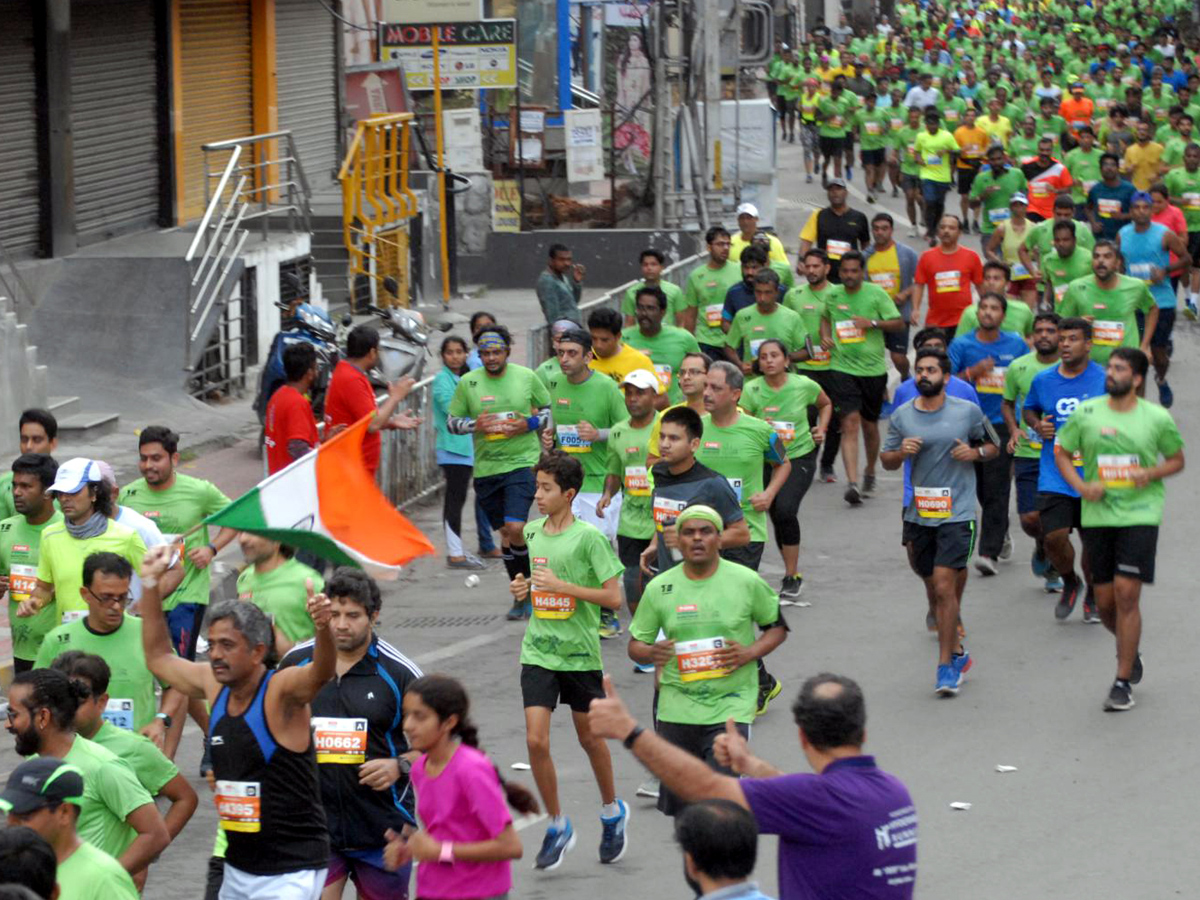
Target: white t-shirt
<point>150,536</point>
<point>920,97</point>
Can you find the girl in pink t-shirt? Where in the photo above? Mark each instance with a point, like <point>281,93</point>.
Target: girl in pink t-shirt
<point>464,850</point>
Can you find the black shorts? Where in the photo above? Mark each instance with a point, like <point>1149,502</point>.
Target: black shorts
<point>873,157</point>
<point>1194,248</point>
<point>697,740</point>
<point>1026,478</point>
<point>966,178</point>
<point>830,146</point>
<point>1128,552</point>
<point>1162,331</point>
<point>910,182</point>
<point>506,497</point>
<point>862,394</point>
<point>897,341</point>
<point>545,687</point>
<point>749,555</point>
<point>629,550</point>
<point>949,546</point>
<point>1058,512</point>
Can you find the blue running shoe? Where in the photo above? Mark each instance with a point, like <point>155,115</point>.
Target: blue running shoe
<point>1053,583</point>
<point>555,846</point>
<point>613,840</point>
<point>947,681</point>
<point>643,668</point>
<point>1039,564</point>
<point>961,663</point>
<point>1165,395</point>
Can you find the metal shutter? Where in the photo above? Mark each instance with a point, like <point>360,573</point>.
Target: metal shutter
<point>215,84</point>
<point>306,64</point>
<point>18,132</point>
<point>114,117</point>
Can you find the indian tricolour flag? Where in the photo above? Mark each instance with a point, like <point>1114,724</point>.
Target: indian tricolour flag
<point>326,502</point>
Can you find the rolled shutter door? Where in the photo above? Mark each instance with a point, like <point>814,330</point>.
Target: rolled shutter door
<point>306,66</point>
<point>18,132</point>
<point>215,85</point>
<point>114,117</point>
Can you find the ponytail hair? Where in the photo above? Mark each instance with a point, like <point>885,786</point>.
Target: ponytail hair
<point>447,697</point>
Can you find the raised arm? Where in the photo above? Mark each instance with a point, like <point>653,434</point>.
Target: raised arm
<point>190,678</point>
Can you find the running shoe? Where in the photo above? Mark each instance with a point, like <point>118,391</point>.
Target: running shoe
<point>1165,395</point>
<point>868,484</point>
<point>808,179</point>
<point>1006,549</point>
<point>1120,697</point>
<point>467,561</point>
<point>849,173</point>
<point>518,611</point>
<point>612,840</point>
<point>649,789</point>
<point>986,565</point>
<point>916,232</point>
<point>827,475</point>
<point>853,495</point>
<point>1135,676</point>
<point>1091,615</point>
<point>555,846</point>
<point>947,681</point>
<point>871,199</point>
<point>768,692</point>
<point>961,663</point>
<point>791,588</point>
<point>1039,564</point>
<point>1066,603</point>
<point>1053,583</point>
<point>1190,312</point>
<point>643,668</point>
<point>610,625</point>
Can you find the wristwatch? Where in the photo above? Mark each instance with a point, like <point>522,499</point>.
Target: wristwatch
<point>165,718</point>
<point>405,766</point>
<point>981,456</point>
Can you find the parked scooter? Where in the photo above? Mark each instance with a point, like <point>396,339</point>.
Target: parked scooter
<point>404,352</point>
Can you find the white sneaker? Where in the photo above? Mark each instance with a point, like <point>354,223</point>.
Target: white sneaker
<point>649,789</point>
<point>986,565</point>
<point>1006,549</point>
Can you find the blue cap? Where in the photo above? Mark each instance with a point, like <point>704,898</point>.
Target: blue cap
<point>1140,197</point>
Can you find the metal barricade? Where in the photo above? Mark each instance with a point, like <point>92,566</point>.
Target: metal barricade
<point>538,342</point>
<point>408,469</point>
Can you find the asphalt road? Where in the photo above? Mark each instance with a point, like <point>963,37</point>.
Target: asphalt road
<point>1099,806</point>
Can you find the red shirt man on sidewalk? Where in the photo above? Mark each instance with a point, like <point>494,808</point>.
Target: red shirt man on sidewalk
<point>946,273</point>
<point>289,429</point>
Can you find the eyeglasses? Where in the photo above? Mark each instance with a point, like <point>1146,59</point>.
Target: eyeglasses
<point>119,600</point>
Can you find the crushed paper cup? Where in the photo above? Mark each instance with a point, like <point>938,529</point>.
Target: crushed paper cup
<point>1003,769</point>
<point>960,805</point>
<point>521,767</point>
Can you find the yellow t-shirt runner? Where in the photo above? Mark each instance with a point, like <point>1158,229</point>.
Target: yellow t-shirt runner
<point>934,152</point>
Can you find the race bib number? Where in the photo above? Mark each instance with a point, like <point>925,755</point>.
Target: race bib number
<point>736,484</point>
<point>1142,270</point>
<point>239,805</point>
<point>1088,185</point>
<point>547,605</point>
<point>21,582</point>
<point>1019,271</point>
<point>785,430</point>
<point>949,282</point>
<point>933,159</point>
<point>849,333</point>
<point>72,614</point>
<point>340,740</point>
<point>664,376</point>
<point>886,280</point>
<point>1039,188</point>
<point>697,660</point>
<point>1108,333</point>
<point>820,356</point>
<point>637,481</point>
<point>952,115</point>
<point>1108,208</point>
<point>933,503</point>
<point>494,433</point>
<point>871,127</point>
<point>1049,136</point>
<point>999,215</point>
<point>991,382</point>
<point>119,711</point>
<point>1191,200</point>
<point>712,315</point>
<point>837,249</point>
<point>666,511</point>
<point>570,441</point>
<point>836,122</point>
<point>1115,469</point>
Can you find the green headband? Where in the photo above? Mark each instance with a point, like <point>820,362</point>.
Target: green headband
<point>700,511</point>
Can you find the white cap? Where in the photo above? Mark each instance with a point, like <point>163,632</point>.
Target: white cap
<point>748,209</point>
<point>107,475</point>
<point>642,378</point>
<point>75,474</point>
<point>1018,198</point>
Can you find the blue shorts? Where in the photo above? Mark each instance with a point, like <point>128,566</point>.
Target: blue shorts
<point>1026,478</point>
<point>184,623</point>
<point>366,869</point>
<point>506,497</point>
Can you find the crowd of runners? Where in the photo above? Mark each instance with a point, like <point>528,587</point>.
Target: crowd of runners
<point>663,444</point>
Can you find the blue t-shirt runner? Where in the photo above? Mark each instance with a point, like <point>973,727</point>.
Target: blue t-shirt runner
<point>968,350</point>
<point>1055,394</point>
<point>1143,252</point>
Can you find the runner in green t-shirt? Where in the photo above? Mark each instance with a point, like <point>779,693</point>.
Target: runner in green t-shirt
<point>38,433</point>
<point>808,301</point>
<point>1110,301</point>
<point>1066,262</point>
<point>666,345</point>
<point>277,583</point>
<point>1024,443</point>
<point>992,188</point>
<point>1129,446</point>
<point>904,142</point>
<point>707,608</point>
<point>785,401</point>
<point>704,292</point>
<point>1023,146</point>
<point>1039,238</point>
<point>1084,165</point>
<point>1183,184</point>
<point>575,575</point>
<point>871,125</point>
<point>652,263</point>
<point>834,114</point>
<point>20,539</point>
<point>766,318</point>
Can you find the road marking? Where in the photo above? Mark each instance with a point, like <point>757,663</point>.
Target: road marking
<point>458,647</point>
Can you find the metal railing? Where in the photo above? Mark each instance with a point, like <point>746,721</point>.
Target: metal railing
<point>275,186</point>
<point>538,341</point>
<point>408,469</point>
<point>377,202</point>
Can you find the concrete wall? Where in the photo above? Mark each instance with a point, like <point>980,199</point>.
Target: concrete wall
<point>23,379</point>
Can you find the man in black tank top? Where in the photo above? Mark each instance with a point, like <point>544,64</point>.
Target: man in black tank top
<point>268,794</point>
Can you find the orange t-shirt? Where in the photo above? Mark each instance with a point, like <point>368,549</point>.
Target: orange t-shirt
<point>1077,113</point>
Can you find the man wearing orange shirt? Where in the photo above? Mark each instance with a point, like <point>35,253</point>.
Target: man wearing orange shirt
<point>973,143</point>
<point>1047,177</point>
<point>1077,110</point>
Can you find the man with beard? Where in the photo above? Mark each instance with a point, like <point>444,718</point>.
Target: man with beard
<point>1128,447</point>
<point>362,754</point>
<point>666,345</point>
<point>943,436</point>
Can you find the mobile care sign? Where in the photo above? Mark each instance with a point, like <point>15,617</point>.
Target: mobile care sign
<point>480,54</point>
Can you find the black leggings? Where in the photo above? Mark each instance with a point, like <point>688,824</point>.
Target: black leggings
<point>785,509</point>
<point>458,480</point>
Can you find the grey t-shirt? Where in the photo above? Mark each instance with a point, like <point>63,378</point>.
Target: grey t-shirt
<point>943,487</point>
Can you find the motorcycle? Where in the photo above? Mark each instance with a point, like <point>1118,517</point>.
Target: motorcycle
<point>308,324</point>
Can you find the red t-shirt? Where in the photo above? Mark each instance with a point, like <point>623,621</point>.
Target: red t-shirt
<point>350,397</point>
<point>948,278</point>
<point>289,418</point>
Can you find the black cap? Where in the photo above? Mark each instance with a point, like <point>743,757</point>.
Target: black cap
<point>41,782</point>
<point>577,336</point>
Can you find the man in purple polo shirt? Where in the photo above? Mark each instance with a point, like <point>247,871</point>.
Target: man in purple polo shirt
<point>850,830</point>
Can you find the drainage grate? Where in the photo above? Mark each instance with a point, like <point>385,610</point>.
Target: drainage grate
<point>447,621</point>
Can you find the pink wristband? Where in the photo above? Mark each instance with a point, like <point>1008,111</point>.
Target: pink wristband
<point>446,854</point>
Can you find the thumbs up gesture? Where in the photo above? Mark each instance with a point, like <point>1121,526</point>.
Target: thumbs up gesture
<point>320,609</point>
<point>732,750</point>
<point>610,717</point>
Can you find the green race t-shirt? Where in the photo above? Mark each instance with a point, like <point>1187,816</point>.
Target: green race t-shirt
<point>562,634</point>
<point>858,351</point>
<point>90,874</point>
<point>60,560</point>
<point>597,401</point>
<point>131,703</point>
<point>628,448</point>
<point>19,543</point>
<point>905,141</point>
<point>7,508</point>
<point>545,369</point>
<point>1185,189</point>
<point>282,594</point>
<point>152,768</point>
<point>1016,388</point>
<point>1061,271</point>
<point>675,301</point>
<point>750,328</point>
<point>1114,323</point>
<point>666,350</point>
<point>705,289</point>
<point>736,453</point>
<point>785,408</point>
<point>1085,172</point>
<point>516,394</point>
<point>810,306</point>
<point>699,616</point>
<point>1112,443</point>
<point>995,205</point>
<point>175,510</point>
<point>1022,148</point>
<point>110,793</point>
<point>872,127</point>
<point>836,115</point>
<point>1018,317</point>
<point>1039,240</point>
